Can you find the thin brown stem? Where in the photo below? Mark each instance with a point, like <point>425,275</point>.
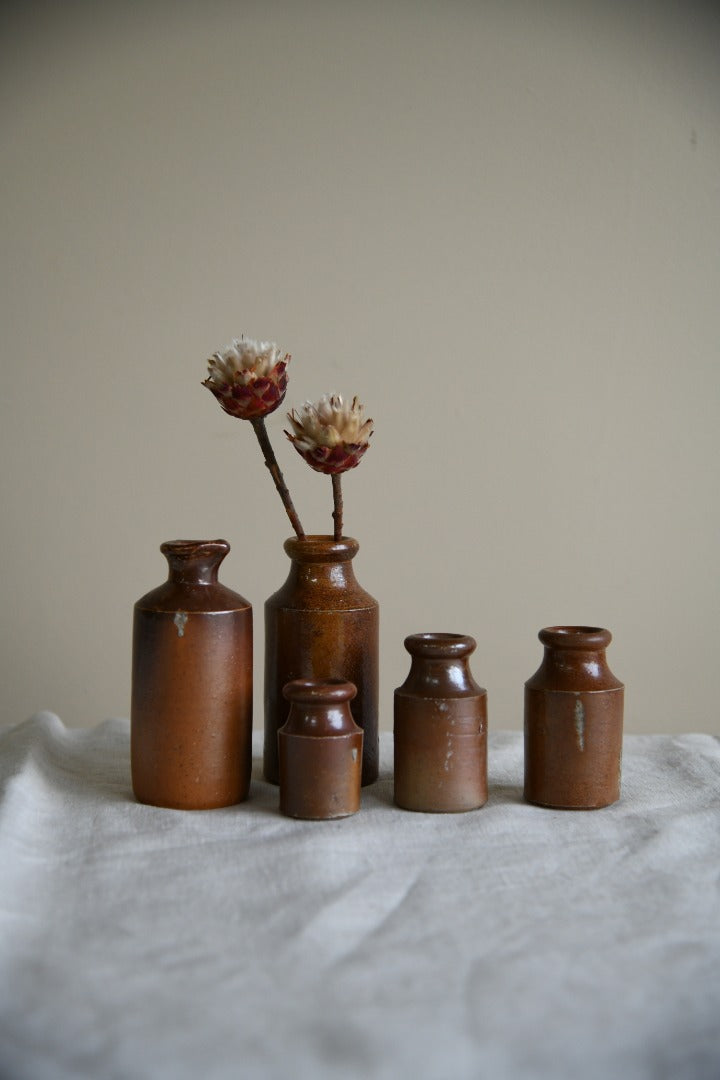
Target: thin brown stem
<point>337,505</point>
<point>271,461</point>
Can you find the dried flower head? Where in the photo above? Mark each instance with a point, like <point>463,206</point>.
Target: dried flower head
<point>332,436</point>
<point>248,378</point>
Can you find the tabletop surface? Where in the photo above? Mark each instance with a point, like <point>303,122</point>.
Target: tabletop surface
<point>510,941</point>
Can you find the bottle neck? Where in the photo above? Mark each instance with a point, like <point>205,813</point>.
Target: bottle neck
<point>574,660</point>
<point>440,665</point>
<point>319,721</point>
<point>194,562</point>
<point>560,663</point>
<point>573,671</point>
<point>328,575</point>
<point>320,561</point>
<point>441,678</point>
<point>319,707</point>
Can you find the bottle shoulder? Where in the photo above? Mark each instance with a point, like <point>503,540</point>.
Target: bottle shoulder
<point>174,596</point>
<point>572,676</point>
<point>320,593</point>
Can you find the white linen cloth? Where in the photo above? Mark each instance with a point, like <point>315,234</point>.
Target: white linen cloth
<point>509,942</point>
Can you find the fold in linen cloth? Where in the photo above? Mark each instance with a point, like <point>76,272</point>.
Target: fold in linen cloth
<point>510,941</point>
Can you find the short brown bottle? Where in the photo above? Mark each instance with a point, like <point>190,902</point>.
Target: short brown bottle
<point>573,722</point>
<point>440,728</point>
<point>320,751</point>
<point>191,713</point>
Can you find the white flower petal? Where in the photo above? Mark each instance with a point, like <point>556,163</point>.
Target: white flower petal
<point>329,423</point>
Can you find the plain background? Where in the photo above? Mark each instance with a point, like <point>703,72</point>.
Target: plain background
<point>498,223</point>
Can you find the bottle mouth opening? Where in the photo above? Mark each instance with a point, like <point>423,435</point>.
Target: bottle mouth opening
<point>440,645</point>
<point>319,691</point>
<point>576,637</point>
<point>321,548</point>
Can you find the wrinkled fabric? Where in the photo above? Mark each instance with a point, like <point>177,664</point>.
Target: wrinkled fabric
<point>506,942</point>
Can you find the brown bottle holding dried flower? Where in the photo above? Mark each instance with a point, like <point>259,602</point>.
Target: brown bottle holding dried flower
<point>322,625</point>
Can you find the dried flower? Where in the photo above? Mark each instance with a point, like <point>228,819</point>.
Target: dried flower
<point>332,436</point>
<point>248,378</point>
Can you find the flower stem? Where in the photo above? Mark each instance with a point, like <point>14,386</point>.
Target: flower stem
<point>271,461</point>
<point>337,505</point>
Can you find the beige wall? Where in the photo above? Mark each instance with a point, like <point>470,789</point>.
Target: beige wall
<point>499,223</point>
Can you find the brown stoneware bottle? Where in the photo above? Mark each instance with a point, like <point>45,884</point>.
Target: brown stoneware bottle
<point>322,625</point>
<point>440,728</point>
<point>320,751</point>
<point>573,722</point>
<point>191,713</point>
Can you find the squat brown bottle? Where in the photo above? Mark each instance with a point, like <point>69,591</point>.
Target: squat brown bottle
<point>573,722</point>
<point>320,751</point>
<point>440,729</point>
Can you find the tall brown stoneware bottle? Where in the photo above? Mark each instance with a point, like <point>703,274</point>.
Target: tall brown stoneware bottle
<point>322,625</point>
<point>573,722</point>
<point>191,714</point>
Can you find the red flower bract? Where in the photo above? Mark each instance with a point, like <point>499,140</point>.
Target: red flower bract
<point>248,379</point>
<point>333,459</point>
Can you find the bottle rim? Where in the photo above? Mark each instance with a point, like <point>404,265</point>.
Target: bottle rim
<point>191,549</point>
<point>321,548</point>
<point>319,691</point>
<point>440,646</point>
<point>575,637</point>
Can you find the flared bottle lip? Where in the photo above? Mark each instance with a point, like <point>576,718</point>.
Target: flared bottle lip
<point>440,646</point>
<point>191,549</point>
<point>194,561</point>
<point>321,548</point>
<point>575,637</point>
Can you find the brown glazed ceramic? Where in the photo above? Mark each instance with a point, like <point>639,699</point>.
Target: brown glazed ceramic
<point>320,751</point>
<point>322,625</point>
<point>573,722</point>
<point>191,714</point>
<point>440,729</point>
